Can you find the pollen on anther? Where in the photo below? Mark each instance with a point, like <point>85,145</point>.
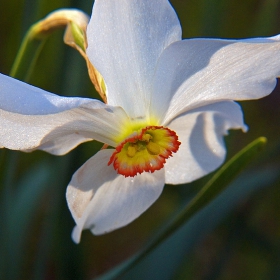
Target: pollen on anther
<point>131,151</point>
<point>153,148</point>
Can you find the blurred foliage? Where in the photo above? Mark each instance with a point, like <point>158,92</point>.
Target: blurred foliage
<point>234,237</point>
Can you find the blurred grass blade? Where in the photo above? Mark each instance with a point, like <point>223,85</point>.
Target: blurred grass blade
<point>25,204</point>
<point>27,56</point>
<point>212,189</point>
<point>266,18</point>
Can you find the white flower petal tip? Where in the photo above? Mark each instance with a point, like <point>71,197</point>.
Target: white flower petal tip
<point>76,234</point>
<point>193,73</point>
<point>102,200</point>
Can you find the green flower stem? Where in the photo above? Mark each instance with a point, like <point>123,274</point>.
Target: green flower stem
<point>28,53</point>
<point>210,191</point>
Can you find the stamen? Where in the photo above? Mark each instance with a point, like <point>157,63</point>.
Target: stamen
<point>147,137</point>
<point>131,150</point>
<point>153,148</point>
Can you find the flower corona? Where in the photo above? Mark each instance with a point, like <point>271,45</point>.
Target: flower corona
<point>145,151</point>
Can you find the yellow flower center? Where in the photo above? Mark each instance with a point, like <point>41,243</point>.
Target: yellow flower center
<point>145,151</point>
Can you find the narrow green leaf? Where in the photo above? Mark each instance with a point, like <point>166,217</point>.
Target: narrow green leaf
<point>211,190</point>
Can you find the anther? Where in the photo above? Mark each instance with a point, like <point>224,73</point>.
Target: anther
<point>147,137</point>
<point>153,148</point>
<point>131,151</point>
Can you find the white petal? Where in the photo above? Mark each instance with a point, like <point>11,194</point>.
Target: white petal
<point>31,118</point>
<point>22,98</point>
<point>125,40</point>
<point>201,132</point>
<point>192,73</point>
<point>102,200</point>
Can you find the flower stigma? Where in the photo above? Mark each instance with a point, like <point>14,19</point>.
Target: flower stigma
<point>145,151</point>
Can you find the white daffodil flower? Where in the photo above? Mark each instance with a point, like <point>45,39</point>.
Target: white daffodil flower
<point>170,102</point>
